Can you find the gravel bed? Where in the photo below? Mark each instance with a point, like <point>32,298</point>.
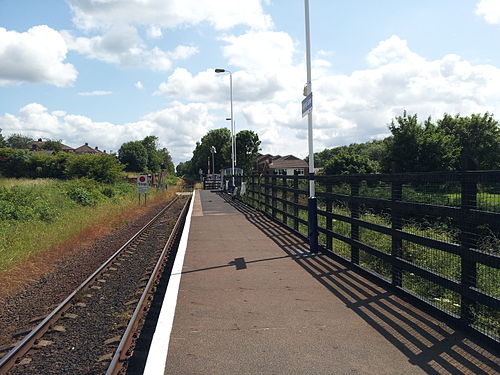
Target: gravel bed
<point>43,294</point>
<point>104,311</point>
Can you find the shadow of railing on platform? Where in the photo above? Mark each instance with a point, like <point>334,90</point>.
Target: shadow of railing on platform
<point>428,343</point>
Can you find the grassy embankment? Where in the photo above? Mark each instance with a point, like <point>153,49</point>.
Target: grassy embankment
<point>38,215</point>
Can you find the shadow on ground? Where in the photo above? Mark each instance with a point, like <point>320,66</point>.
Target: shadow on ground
<point>427,342</point>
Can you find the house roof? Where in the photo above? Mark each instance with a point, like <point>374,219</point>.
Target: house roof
<point>37,145</point>
<point>86,149</point>
<point>288,161</point>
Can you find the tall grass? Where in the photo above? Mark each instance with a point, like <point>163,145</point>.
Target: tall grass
<point>36,215</point>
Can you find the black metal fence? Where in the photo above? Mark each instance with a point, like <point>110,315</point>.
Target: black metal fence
<point>434,236</point>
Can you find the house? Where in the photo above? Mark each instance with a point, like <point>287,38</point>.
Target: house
<point>263,161</point>
<point>86,149</point>
<point>38,146</point>
<point>283,165</point>
<point>288,166</point>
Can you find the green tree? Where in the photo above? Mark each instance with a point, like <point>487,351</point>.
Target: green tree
<point>247,149</point>
<point>476,139</point>
<point>416,147</point>
<point>18,141</point>
<point>184,168</point>
<point>52,145</point>
<point>349,163</point>
<point>221,140</point>
<point>150,144</point>
<point>134,156</point>
<point>3,143</point>
<point>166,160</point>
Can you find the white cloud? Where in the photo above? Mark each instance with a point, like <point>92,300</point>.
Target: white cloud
<point>138,85</point>
<point>95,93</point>
<point>183,52</point>
<point>489,10</point>
<point>223,14</point>
<point>120,45</point>
<point>178,127</point>
<point>36,55</point>
<point>154,32</point>
<point>260,51</point>
<point>347,108</point>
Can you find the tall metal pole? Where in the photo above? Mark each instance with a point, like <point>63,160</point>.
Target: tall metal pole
<point>312,203</point>
<point>233,142</point>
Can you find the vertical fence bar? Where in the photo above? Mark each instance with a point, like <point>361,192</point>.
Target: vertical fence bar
<point>354,206</point>
<point>467,240</point>
<point>261,200</point>
<point>396,224</point>
<point>273,196</point>
<point>284,196</point>
<point>296,201</point>
<point>329,220</point>
<point>266,193</point>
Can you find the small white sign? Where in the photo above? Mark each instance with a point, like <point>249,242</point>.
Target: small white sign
<point>307,104</point>
<point>142,184</point>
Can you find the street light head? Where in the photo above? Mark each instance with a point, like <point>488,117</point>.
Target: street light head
<point>220,70</point>
<point>228,119</point>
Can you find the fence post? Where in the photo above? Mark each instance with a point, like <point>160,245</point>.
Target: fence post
<point>284,196</point>
<point>296,201</point>
<point>354,227</point>
<point>266,193</point>
<point>467,240</point>
<point>396,224</point>
<point>273,196</point>
<point>329,220</point>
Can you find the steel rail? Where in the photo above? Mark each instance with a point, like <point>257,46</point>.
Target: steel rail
<point>9,360</point>
<point>123,351</point>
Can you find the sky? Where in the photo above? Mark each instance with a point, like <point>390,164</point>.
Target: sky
<point>112,71</point>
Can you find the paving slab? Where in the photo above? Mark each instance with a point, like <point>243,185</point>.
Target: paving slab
<point>253,300</point>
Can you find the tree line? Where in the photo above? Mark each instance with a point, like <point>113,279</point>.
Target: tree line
<point>247,149</point>
<point>451,143</point>
<point>16,160</point>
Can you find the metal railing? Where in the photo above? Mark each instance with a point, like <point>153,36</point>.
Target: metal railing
<point>432,236</point>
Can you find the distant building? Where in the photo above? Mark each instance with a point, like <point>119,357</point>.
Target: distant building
<point>38,146</point>
<point>288,166</point>
<point>263,162</point>
<point>86,149</point>
<point>282,165</point>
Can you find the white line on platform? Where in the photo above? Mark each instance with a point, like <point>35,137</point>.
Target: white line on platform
<point>157,357</point>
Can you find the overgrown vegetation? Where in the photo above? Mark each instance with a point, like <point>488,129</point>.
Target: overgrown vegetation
<point>62,165</point>
<point>451,143</point>
<point>38,214</point>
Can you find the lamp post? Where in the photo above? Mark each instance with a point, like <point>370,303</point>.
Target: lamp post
<point>312,203</point>
<point>233,141</point>
<point>213,151</point>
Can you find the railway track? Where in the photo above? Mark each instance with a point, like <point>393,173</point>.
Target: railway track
<point>94,329</point>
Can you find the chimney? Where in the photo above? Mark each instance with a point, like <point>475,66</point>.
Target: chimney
<point>86,144</point>
<point>104,151</point>
<point>96,148</point>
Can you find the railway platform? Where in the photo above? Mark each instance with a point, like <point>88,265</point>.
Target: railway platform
<point>250,299</point>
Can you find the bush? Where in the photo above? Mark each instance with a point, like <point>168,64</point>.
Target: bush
<point>24,204</point>
<point>85,192</point>
<point>98,167</point>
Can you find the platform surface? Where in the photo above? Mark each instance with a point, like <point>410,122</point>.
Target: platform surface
<point>253,300</point>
